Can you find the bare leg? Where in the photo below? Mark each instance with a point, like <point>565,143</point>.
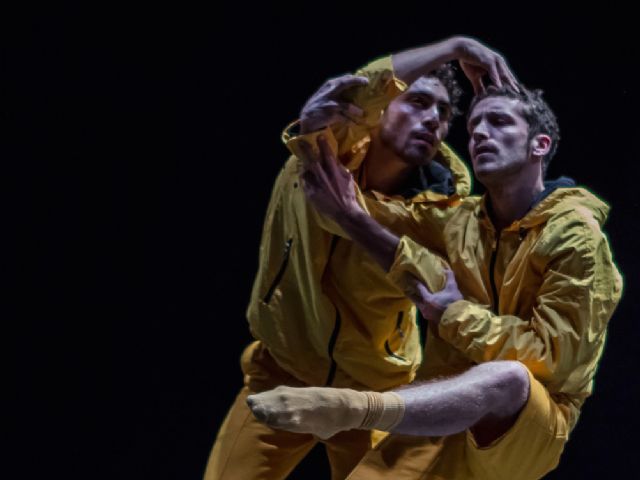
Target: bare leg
<point>486,399</point>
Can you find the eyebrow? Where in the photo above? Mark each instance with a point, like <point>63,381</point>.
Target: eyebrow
<point>430,95</point>
<point>491,112</point>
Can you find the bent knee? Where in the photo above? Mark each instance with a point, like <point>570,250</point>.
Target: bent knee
<point>510,385</point>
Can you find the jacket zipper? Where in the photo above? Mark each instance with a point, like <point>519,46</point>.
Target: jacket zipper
<point>283,267</point>
<point>400,332</point>
<point>332,344</point>
<point>336,327</point>
<point>492,266</point>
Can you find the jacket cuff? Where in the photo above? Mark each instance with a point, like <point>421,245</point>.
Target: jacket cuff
<point>413,261</point>
<point>292,140</point>
<point>455,316</point>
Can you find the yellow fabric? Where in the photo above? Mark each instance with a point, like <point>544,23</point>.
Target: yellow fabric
<point>556,283</point>
<point>531,448</point>
<point>249,450</point>
<point>321,304</point>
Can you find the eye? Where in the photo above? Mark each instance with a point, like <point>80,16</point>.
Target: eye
<point>419,101</point>
<point>445,111</point>
<point>500,120</point>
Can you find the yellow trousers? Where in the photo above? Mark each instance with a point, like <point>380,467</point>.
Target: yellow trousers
<point>527,451</point>
<point>246,449</point>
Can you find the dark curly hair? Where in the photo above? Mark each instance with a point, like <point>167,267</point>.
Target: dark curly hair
<point>446,74</point>
<point>535,111</point>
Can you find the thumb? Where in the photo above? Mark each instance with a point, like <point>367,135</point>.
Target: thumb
<point>451,278</point>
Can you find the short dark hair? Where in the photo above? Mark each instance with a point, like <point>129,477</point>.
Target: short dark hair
<point>535,111</point>
<point>446,74</point>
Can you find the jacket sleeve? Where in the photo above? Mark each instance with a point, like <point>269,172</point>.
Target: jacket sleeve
<point>346,139</point>
<point>563,339</point>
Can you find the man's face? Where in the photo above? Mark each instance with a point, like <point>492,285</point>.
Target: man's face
<point>498,138</point>
<point>417,121</point>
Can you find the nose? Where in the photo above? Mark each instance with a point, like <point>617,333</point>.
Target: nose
<point>431,118</point>
<point>479,132</point>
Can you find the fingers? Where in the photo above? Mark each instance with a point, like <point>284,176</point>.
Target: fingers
<point>338,87</point>
<point>500,74</point>
<point>474,73</point>
<point>317,169</point>
<point>451,278</point>
<point>507,75</point>
<point>351,111</point>
<point>419,293</point>
<point>451,288</point>
<point>340,84</point>
<point>332,104</point>
<point>493,75</point>
<point>478,85</point>
<point>479,60</point>
<point>332,107</point>
<point>336,111</point>
<point>423,291</point>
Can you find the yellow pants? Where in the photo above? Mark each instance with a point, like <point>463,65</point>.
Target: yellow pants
<point>527,451</point>
<point>246,449</point>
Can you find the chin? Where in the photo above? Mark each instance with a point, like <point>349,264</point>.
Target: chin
<point>418,156</point>
<point>486,174</point>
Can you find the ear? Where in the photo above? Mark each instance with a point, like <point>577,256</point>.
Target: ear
<point>540,145</point>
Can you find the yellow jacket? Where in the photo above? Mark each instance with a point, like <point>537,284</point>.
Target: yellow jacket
<point>541,292</point>
<point>325,310</point>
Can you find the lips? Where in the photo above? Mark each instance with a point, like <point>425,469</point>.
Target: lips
<point>425,137</point>
<point>484,148</point>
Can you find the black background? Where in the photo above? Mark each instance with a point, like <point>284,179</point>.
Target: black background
<point>142,149</point>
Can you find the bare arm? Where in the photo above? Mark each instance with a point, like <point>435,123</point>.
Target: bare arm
<point>476,60</point>
<point>331,105</point>
<point>330,189</point>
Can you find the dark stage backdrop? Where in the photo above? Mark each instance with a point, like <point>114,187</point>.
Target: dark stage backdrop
<point>143,146</point>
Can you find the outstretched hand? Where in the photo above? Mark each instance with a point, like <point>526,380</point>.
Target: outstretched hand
<point>330,105</point>
<point>478,60</point>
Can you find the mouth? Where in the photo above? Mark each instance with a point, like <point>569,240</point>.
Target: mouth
<point>483,149</point>
<point>425,138</point>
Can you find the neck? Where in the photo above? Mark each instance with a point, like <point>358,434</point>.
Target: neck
<point>512,199</point>
<point>386,172</point>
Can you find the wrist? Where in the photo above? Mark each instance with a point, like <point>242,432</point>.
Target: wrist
<point>352,218</point>
<point>458,46</point>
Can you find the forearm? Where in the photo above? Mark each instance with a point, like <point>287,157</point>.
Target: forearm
<point>409,65</point>
<point>548,342</point>
<point>376,240</point>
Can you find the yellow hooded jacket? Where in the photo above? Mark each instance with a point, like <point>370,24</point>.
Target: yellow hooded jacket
<point>327,313</point>
<point>540,291</point>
